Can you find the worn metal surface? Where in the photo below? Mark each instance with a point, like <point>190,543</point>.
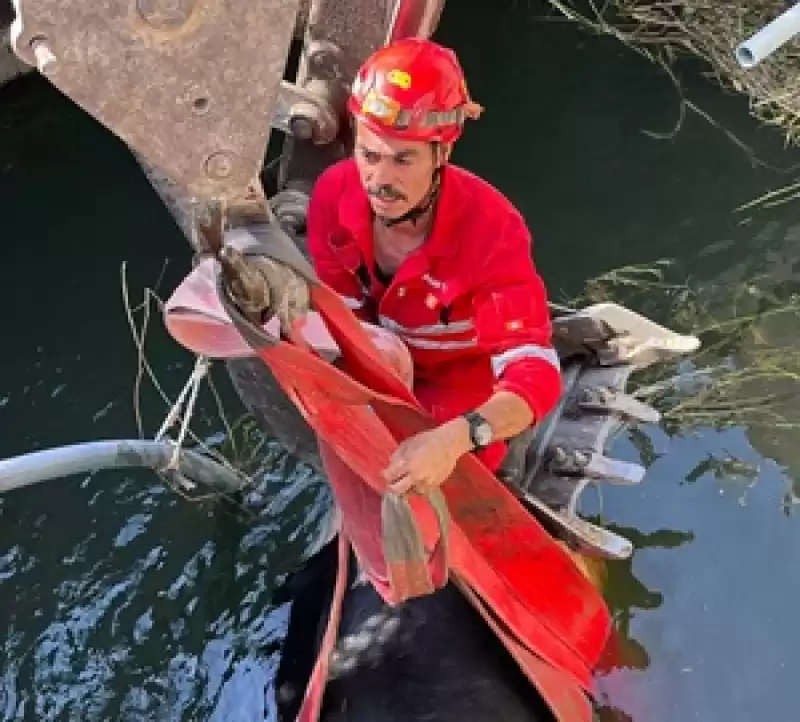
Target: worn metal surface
<point>306,112</point>
<point>356,27</point>
<point>189,85</point>
<point>601,347</point>
<point>339,36</point>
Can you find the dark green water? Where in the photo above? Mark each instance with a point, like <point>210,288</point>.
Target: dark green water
<point>121,600</point>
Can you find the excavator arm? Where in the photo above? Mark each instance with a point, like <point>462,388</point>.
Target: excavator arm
<point>196,87</point>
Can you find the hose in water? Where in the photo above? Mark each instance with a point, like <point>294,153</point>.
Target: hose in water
<point>92,456</point>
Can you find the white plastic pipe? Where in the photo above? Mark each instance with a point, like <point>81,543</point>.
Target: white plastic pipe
<point>771,37</point>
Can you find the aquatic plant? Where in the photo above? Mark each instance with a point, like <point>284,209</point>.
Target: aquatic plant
<point>664,30</point>
<point>747,370</point>
<point>745,375</point>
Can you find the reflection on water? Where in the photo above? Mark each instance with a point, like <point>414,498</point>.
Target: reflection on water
<point>121,600</point>
<point>703,607</point>
<point>131,603</point>
<point>722,478</point>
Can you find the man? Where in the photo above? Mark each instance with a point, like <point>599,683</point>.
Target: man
<point>439,257</point>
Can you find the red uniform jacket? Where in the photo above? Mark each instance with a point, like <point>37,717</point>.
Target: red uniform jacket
<point>469,304</point>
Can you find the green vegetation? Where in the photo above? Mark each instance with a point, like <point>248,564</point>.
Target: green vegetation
<point>663,30</point>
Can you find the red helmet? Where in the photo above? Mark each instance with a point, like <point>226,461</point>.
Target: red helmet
<point>413,89</point>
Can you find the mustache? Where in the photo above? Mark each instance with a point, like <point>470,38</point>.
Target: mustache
<point>386,193</point>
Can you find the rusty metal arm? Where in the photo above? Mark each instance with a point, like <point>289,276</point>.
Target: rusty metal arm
<point>193,87</point>
<point>339,34</point>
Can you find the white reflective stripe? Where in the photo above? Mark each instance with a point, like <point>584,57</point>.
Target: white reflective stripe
<point>430,344</point>
<point>501,361</point>
<point>429,330</point>
<point>352,303</point>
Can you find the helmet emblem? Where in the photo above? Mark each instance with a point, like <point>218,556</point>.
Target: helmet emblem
<point>400,78</point>
<point>379,106</point>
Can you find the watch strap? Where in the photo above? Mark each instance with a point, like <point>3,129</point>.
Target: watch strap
<point>475,422</point>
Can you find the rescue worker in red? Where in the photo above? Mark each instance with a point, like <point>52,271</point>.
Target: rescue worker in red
<point>438,256</point>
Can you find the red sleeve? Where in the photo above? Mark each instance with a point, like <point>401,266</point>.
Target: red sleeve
<point>322,226</point>
<point>513,321</point>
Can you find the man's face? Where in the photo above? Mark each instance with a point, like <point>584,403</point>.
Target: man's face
<point>396,174</point>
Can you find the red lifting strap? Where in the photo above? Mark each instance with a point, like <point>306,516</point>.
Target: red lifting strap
<point>361,409</point>
<point>553,621</point>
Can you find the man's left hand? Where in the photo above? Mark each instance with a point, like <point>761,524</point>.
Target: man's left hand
<point>425,461</point>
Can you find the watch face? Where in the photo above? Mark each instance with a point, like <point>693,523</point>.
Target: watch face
<point>483,434</point>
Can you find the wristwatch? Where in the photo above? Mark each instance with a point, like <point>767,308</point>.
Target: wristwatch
<point>480,433</point>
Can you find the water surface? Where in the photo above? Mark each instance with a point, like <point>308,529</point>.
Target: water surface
<point>123,600</point>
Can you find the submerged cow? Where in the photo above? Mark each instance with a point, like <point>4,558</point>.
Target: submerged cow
<point>431,659</point>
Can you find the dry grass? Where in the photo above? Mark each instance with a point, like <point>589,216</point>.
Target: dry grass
<point>745,375</point>
<point>711,30</point>
<point>747,370</point>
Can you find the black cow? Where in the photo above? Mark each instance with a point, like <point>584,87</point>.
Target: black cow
<point>431,659</point>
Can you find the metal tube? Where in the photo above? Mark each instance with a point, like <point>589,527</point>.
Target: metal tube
<point>38,466</point>
<point>414,18</point>
<point>771,37</point>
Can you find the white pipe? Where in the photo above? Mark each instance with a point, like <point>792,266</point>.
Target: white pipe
<point>771,37</point>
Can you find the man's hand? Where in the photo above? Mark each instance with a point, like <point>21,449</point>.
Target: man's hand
<point>426,460</point>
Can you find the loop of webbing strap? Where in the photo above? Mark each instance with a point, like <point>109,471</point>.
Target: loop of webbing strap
<point>411,573</point>
<point>257,338</point>
<point>271,242</point>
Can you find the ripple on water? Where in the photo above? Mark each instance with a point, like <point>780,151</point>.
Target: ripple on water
<point>164,613</point>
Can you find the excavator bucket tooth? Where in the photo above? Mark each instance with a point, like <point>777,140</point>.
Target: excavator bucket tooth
<point>600,347</point>
<point>191,86</point>
<point>637,340</point>
<point>604,400</point>
<point>578,334</point>
<point>583,536</point>
<point>574,462</point>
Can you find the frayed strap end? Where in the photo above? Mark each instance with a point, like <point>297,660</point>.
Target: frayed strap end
<point>411,572</point>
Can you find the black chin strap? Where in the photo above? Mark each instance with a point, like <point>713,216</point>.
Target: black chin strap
<point>419,210</point>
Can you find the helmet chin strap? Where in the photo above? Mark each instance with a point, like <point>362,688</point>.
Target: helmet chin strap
<point>416,212</point>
